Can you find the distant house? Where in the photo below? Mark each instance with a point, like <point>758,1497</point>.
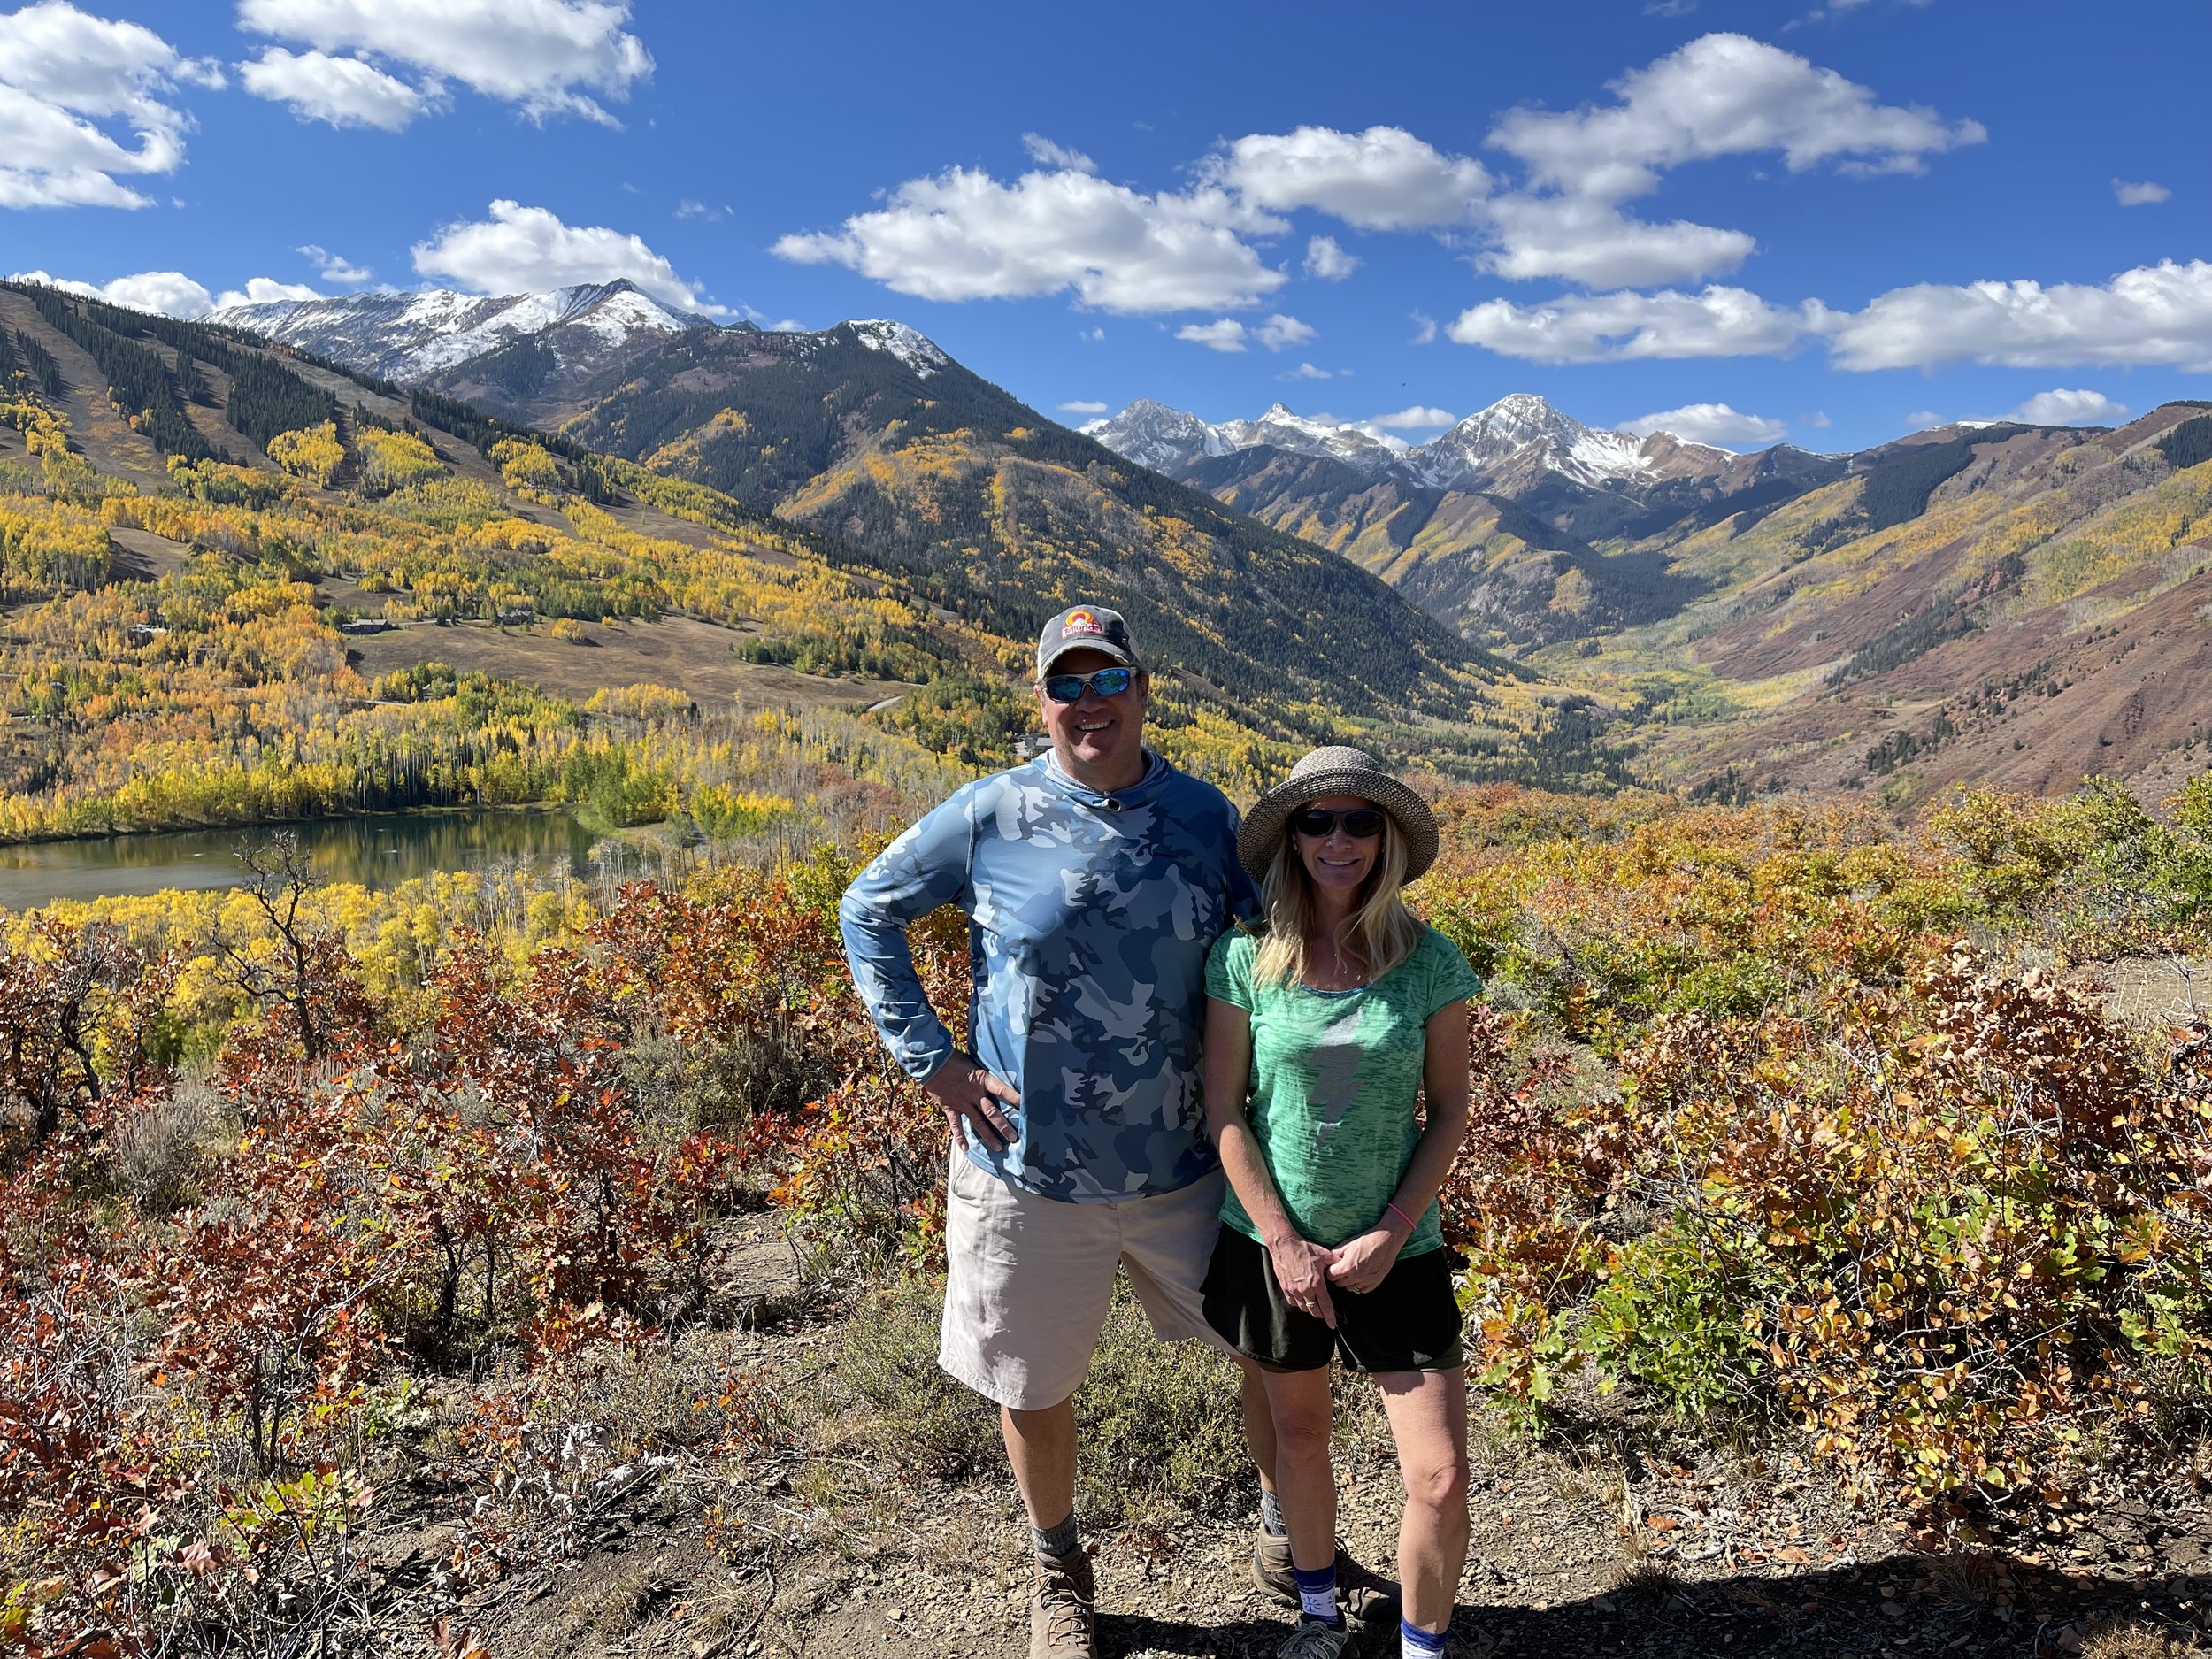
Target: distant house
<point>364,625</point>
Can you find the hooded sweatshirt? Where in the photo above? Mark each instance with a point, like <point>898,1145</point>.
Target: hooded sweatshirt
<point>1090,915</point>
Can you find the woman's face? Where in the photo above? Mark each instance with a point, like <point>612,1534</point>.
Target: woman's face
<point>1337,861</point>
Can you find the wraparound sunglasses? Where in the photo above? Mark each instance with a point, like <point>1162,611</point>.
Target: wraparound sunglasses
<point>1107,682</point>
<point>1361,822</point>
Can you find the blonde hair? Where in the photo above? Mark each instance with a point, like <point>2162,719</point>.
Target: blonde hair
<point>1380,931</point>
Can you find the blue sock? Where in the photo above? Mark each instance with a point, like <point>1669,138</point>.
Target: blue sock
<point>1316,1595</point>
<point>1416,1643</point>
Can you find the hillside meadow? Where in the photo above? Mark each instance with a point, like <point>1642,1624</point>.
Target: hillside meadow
<point>348,1231</point>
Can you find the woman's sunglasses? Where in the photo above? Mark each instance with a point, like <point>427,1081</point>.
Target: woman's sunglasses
<point>1361,822</point>
<point>1107,682</point>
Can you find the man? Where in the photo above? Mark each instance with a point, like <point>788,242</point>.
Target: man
<point>1095,878</point>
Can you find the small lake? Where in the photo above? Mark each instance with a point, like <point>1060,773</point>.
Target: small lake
<point>377,852</point>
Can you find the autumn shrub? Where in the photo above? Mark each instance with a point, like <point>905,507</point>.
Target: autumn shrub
<point>1955,1233</point>
<point>2094,873</point>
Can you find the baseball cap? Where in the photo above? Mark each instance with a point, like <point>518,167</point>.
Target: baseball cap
<point>1086,628</point>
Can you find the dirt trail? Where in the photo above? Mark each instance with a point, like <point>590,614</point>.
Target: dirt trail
<point>1625,1537</point>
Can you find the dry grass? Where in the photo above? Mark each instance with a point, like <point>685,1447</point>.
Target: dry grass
<point>1655,1581</point>
<point>2131,1639</point>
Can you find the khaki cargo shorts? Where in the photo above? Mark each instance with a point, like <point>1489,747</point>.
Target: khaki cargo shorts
<point>1028,1280</point>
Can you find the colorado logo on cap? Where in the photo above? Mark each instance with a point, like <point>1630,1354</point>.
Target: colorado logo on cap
<point>1081,622</point>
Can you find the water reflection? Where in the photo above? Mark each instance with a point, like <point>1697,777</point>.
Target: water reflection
<point>377,852</point>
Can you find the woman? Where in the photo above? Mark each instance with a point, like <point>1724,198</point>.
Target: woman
<point>1324,1025</point>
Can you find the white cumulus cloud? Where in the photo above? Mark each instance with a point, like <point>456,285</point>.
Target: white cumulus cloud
<point>545,57</point>
<point>2142,194</point>
<point>1307,372</point>
<point>1327,259</point>
<point>332,267</point>
<point>1383,178</point>
<point>2156,315</point>
<point>1279,331</point>
<point>1595,244</point>
<point>68,83</point>
<point>343,91</point>
<point>172,293</point>
<point>1716,424</point>
<point>2059,407</point>
<point>1223,334</point>
<point>1718,322</point>
<point>528,249</point>
<point>963,234</point>
<point>1082,406</point>
<point>265,291</point>
<point>1419,418</point>
<point>1721,95</point>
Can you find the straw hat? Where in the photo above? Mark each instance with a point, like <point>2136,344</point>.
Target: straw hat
<point>1337,770</point>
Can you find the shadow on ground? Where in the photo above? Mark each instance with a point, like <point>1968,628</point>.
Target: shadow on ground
<point>1976,1606</point>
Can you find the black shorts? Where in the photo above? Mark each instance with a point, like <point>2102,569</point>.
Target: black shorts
<point>1409,1321</point>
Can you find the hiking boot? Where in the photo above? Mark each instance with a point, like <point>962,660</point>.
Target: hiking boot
<point>1370,1601</point>
<point>1062,1601</point>
<point>1313,1639</point>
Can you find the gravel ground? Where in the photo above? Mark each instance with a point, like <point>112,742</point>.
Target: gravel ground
<point>1630,1538</point>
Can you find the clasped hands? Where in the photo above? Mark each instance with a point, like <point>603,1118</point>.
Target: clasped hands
<point>1306,1270</point>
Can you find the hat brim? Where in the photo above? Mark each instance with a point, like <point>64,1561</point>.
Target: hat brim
<point>1269,821</point>
<point>1104,648</point>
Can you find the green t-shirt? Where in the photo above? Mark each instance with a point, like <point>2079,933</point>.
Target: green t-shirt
<point>1334,1079</point>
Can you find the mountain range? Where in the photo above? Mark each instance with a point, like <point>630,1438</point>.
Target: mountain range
<point>917,473</point>
<point>2021,605</point>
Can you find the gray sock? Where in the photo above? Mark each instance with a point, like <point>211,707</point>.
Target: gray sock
<point>1054,1541</point>
<point>1272,1520</point>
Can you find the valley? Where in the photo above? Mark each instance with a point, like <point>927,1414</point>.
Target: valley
<point>525,1082</point>
<point>850,527</point>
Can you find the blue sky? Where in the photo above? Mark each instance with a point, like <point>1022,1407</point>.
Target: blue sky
<point>1832,222</point>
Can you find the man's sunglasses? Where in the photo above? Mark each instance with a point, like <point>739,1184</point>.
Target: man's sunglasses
<point>1107,682</point>
<point>1361,822</point>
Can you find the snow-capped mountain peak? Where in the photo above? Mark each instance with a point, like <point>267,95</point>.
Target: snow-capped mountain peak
<point>909,345</point>
<point>1153,434</point>
<point>1519,422</point>
<point>411,337</point>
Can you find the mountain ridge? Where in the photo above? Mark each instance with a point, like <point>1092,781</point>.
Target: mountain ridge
<point>410,337</point>
<point>1971,602</point>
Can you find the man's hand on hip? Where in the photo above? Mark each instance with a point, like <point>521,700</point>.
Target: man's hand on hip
<point>970,1095</point>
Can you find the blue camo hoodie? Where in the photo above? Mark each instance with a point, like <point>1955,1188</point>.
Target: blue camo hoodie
<point>1090,917</point>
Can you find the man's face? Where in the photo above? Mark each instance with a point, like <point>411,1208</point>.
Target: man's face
<point>1095,736</point>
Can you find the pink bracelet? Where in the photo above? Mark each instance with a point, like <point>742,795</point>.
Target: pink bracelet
<point>1400,1214</point>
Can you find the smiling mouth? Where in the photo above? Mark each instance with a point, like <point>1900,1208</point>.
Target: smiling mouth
<point>1090,726</point>
<point>1342,863</point>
